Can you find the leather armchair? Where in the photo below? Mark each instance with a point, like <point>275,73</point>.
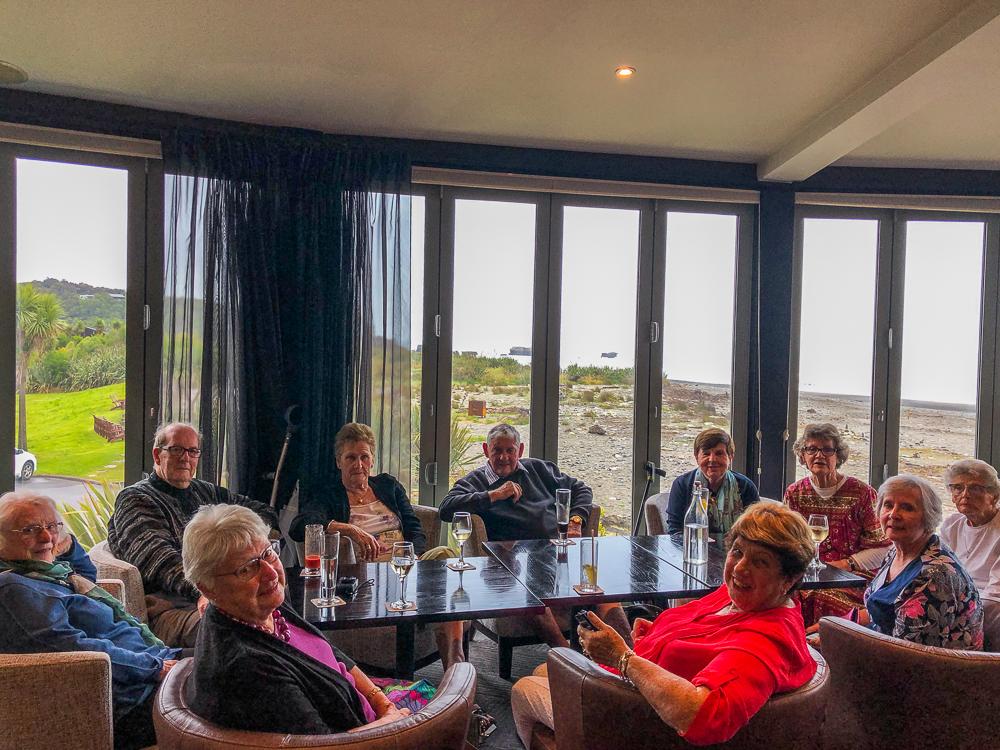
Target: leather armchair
<point>59,701</point>
<point>594,709</point>
<point>887,692</point>
<point>442,724</point>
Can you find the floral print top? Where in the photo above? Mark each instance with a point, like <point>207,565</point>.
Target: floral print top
<point>939,606</point>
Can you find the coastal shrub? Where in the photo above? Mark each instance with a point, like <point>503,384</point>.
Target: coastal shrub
<point>591,375</point>
<point>607,397</point>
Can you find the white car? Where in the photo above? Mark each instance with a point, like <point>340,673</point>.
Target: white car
<point>25,464</point>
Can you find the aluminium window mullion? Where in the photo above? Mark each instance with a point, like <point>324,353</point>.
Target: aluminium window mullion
<point>987,414</point>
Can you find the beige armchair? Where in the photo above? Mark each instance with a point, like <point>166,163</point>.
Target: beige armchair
<point>595,710</point>
<point>441,725</point>
<point>59,701</point>
<point>655,510</point>
<point>509,632</point>
<point>887,692</point>
<point>108,566</point>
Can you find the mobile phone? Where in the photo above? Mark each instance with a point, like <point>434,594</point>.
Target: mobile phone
<point>581,618</point>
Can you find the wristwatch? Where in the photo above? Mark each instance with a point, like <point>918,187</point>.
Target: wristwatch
<point>576,520</point>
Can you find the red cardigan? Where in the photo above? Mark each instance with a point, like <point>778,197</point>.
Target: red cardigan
<point>741,658</point>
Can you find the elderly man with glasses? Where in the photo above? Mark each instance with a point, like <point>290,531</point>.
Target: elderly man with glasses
<point>46,606</point>
<point>148,524</point>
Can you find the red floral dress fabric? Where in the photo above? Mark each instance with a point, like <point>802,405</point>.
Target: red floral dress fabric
<point>853,527</point>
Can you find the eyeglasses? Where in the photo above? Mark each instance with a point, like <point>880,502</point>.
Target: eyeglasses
<point>251,568</point>
<point>55,529</point>
<point>179,450</point>
<point>972,489</point>
<point>812,450</point>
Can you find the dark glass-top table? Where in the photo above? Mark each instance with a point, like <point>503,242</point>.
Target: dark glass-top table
<point>670,549</point>
<point>625,571</point>
<point>441,595</point>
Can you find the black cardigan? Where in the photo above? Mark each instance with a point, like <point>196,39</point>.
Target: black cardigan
<point>246,679</point>
<point>329,503</point>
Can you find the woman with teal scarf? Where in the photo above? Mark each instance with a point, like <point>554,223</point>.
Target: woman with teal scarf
<point>45,606</point>
<point>730,493</point>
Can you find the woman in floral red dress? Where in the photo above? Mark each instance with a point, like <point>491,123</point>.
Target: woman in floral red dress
<point>856,542</point>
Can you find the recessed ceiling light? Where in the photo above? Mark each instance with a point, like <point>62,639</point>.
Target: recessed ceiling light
<point>624,71</point>
<point>11,75</point>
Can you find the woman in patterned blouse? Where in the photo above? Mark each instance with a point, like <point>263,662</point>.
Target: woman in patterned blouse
<point>856,542</point>
<point>921,593</point>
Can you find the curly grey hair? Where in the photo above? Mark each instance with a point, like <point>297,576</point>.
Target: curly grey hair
<point>929,498</point>
<point>215,532</point>
<point>822,431</point>
<point>981,470</point>
<point>503,430</point>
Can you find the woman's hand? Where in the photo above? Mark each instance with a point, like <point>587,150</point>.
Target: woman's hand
<point>640,627</point>
<point>604,645</point>
<point>393,714</point>
<point>368,545</point>
<point>168,664</point>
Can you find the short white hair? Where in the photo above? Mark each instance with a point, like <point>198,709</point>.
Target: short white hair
<point>11,502</point>
<point>973,467</point>
<point>503,430</point>
<point>215,532</point>
<point>160,436</point>
<point>929,498</point>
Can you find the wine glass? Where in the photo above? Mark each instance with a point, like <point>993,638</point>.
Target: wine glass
<point>401,561</point>
<point>819,528</point>
<point>461,527</point>
<point>562,517</point>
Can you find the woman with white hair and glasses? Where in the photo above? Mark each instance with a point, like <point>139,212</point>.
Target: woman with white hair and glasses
<point>921,593</point>
<point>258,665</point>
<point>973,534</point>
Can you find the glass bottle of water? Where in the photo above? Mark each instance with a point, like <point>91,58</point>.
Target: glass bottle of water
<point>696,527</point>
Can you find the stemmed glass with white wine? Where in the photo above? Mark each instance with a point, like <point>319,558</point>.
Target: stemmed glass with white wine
<point>401,561</point>
<point>461,527</point>
<point>819,528</point>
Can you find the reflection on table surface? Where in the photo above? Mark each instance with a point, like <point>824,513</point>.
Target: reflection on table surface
<point>441,594</point>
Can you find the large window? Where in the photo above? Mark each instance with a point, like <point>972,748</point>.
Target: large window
<point>606,329</point>
<point>77,372</point>
<point>892,337</point>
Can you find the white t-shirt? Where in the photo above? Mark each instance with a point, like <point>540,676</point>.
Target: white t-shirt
<point>978,549</point>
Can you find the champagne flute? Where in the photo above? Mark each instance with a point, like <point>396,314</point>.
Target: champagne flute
<point>562,517</point>
<point>401,561</point>
<point>819,527</point>
<point>461,527</point>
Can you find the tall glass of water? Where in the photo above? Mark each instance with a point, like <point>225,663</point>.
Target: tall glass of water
<point>588,565</point>
<point>401,561</point>
<point>328,568</point>
<point>562,517</point>
<point>461,527</point>
<point>315,539</point>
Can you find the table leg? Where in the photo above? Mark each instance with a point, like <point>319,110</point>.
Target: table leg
<point>405,648</point>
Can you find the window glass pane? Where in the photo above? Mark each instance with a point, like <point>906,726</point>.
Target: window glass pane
<point>597,355</point>
<point>698,333</point>
<point>417,214</point>
<point>71,255</point>
<point>941,314</point>
<point>491,362</point>
<point>839,263</point>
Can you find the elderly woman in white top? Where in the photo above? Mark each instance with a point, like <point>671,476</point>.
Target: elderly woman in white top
<point>973,534</point>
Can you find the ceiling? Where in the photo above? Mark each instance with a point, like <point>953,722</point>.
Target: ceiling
<point>791,85</point>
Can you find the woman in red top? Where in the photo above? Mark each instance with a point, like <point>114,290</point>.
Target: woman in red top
<point>709,666</point>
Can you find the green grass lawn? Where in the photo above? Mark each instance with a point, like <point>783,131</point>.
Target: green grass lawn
<point>61,433</point>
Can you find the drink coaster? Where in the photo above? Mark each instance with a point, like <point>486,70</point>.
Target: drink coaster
<point>310,573</point>
<point>597,590</point>
<point>407,607</point>
<point>460,567</point>
<point>327,603</point>
<point>569,543</point>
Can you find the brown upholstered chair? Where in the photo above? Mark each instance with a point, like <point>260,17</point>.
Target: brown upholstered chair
<point>508,632</point>
<point>594,709</point>
<point>655,510</point>
<point>59,701</point>
<point>887,692</point>
<point>441,725</point>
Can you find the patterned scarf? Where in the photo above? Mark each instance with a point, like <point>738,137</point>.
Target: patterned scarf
<point>62,574</point>
<point>726,505</point>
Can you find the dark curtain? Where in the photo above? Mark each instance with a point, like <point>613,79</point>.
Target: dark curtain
<point>270,290</point>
